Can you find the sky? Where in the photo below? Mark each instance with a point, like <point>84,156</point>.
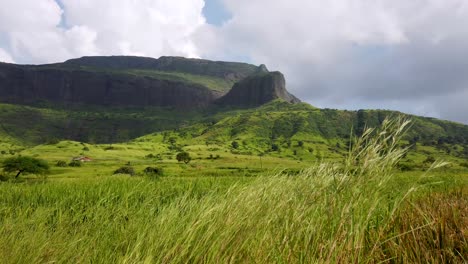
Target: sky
<point>405,55</point>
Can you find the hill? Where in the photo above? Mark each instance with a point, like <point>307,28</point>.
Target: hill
<point>118,99</point>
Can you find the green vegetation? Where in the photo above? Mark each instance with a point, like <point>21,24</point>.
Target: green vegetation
<point>25,165</point>
<point>213,83</point>
<point>125,170</point>
<point>183,156</point>
<point>356,210</point>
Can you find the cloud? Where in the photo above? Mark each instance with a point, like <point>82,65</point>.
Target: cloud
<point>145,27</point>
<point>399,54</point>
<point>43,31</point>
<point>5,57</point>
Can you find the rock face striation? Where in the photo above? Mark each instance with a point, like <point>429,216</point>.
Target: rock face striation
<point>257,90</point>
<point>112,81</point>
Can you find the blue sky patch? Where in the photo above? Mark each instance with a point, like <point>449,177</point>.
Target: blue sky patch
<point>215,12</point>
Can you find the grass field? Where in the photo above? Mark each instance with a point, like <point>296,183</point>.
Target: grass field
<point>237,208</point>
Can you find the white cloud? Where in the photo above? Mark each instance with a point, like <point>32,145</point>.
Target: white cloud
<point>398,54</point>
<point>5,57</point>
<point>354,53</point>
<point>39,31</point>
<point>146,27</point>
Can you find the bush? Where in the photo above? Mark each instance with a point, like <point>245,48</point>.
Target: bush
<point>74,163</point>
<point>405,167</point>
<point>125,170</point>
<point>61,163</point>
<point>274,147</point>
<point>85,149</point>
<point>153,171</point>
<point>430,159</point>
<point>150,156</point>
<point>235,145</point>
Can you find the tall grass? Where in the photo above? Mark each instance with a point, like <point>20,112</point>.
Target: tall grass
<point>329,213</point>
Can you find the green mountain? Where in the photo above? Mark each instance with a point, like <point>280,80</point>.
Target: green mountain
<point>117,99</point>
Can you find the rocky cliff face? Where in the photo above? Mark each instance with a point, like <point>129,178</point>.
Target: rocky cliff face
<point>110,81</point>
<point>25,85</point>
<point>257,90</point>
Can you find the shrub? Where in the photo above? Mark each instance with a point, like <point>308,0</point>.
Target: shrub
<point>429,159</point>
<point>125,170</point>
<point>85,149</point>
<point>235,145</point>
<point>274,147</point>
<point>61,163</point>
<point>153,171</point>
<point>74,163</point>
<point>150,156</point>
<point>405,167</point>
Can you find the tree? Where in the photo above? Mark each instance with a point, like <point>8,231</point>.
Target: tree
<point>183,156</point>
<point>24,164</point>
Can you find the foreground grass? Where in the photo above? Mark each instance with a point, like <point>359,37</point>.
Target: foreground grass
<point>356,212</point>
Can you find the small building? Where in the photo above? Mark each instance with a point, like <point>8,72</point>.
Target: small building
<point>82,159</point>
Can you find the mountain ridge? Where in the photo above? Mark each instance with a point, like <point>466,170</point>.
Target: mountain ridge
<point>79,101</point>
<point>131,81</point>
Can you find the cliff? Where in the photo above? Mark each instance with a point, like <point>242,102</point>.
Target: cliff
<point>29,85</point>
<point>257,90</point>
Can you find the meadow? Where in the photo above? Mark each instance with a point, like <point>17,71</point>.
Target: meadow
<point>227,206</point>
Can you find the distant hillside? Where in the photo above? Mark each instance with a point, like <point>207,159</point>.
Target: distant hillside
<point>124,81</point>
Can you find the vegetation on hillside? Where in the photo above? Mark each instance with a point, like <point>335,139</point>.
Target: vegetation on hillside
<point>351,211</point>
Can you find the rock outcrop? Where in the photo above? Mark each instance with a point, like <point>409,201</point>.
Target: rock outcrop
<point>257,90</point>
<point>26,85</point>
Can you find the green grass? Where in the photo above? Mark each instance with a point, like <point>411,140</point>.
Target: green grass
<point>348,212</point>
<point>213,83</point>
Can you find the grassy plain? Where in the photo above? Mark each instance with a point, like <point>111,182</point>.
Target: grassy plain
<point>237,205</point>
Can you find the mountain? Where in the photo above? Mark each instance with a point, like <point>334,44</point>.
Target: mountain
<point>117,99</point>
<point>125,81</point>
